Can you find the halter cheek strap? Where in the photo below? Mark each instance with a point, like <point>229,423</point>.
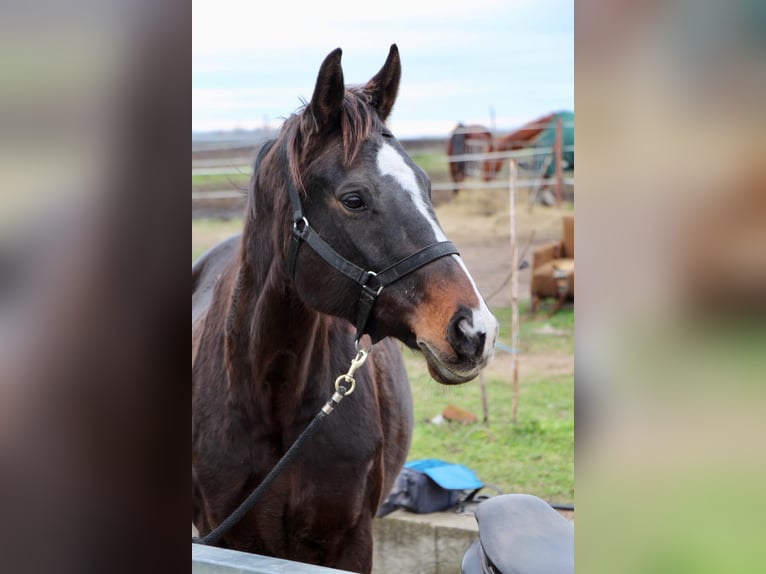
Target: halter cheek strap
<point>371,282</point>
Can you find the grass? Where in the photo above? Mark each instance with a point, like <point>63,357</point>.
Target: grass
<point>221,180</point>
<point>434,163</point>
<point>208,232</point>
<point>535,455</point>
<point>533,337</point>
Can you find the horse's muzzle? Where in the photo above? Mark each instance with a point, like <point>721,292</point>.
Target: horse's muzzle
<point>471,338</point>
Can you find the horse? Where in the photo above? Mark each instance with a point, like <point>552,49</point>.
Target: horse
<point>278,311</point>
<point>520,138</point>
<point>456,145</point>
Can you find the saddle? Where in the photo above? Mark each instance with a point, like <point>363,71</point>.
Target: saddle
<point>520,534</point>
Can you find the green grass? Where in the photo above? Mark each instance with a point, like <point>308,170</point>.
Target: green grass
<point>208,232</point>
<point>434,163</point>
<point>532,329</point>
<point>221,180</point>
<point>535,455</point>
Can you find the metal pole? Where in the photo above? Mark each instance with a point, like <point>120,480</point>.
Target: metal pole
<point>514,291</point>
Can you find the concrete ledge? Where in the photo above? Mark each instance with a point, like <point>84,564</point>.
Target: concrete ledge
<point>422,543</point>
<point>212,560</point>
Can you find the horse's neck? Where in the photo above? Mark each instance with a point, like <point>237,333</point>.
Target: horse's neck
<point>273,340</point>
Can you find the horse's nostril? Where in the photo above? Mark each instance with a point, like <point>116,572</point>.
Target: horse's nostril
<point>466,340</point>
<point>479,340</point>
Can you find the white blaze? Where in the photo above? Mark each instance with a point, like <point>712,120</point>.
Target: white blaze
<point>391,163</point>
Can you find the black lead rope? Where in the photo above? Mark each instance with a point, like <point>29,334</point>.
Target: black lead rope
<point>247,505</point>
<point>344,386</point>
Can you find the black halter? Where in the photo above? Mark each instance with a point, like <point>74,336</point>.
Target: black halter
<point>371,282</point>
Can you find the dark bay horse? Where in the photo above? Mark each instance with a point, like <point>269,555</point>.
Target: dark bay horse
<point>274,323</point>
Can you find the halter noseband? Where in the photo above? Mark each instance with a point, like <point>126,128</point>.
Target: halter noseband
<point>371,282</point>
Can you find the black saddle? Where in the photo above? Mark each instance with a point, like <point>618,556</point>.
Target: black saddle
<point>520,534</point>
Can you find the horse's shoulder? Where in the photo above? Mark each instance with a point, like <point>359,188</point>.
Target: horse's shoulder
<point>207,270</point>
<point>389,363</point>
<point>214,258</point>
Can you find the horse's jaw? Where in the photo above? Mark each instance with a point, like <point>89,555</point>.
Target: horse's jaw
<point>448,370</point>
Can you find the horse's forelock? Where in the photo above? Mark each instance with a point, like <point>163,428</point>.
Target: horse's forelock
<point>358,119</point>
<point>300,133</point>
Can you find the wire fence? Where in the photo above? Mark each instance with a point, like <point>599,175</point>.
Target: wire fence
<point>533,165</point>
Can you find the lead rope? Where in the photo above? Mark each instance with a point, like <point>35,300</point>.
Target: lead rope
<point>341,391</point>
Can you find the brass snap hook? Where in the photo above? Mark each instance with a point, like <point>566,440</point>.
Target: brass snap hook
<point>348,379</point>
<point>356,362</point>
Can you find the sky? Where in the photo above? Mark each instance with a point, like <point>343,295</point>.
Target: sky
<point>254,62</point>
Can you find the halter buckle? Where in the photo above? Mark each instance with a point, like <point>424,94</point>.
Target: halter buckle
<point>300,225</point>
<point>366,279</point>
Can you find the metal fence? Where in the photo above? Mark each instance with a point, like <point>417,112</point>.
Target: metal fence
<point>213,560</point>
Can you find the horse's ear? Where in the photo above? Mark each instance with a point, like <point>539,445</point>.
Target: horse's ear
<point>327,100</point>
<point>385,84</point>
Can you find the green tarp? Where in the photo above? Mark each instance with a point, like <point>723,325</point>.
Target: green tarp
<point>546,138</point>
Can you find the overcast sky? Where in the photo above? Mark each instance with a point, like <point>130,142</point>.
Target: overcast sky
<point>252,61</point>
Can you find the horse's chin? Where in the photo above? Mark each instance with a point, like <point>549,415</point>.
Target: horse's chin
<point>445,372</point>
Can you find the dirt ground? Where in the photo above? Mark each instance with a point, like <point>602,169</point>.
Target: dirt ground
<point>478,222</point>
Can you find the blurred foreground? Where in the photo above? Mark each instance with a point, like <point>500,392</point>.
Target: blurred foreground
<point>90,291</point>
<point>671,248</point>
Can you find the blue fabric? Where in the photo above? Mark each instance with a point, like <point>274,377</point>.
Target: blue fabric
<point>445,474</point>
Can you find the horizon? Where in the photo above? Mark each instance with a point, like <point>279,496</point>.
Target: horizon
<point>410,136</point>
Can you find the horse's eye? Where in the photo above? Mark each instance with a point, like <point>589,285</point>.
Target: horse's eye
<point>352,202</point>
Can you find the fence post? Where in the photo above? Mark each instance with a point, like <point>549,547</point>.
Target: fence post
<point>512,169</point>
<point>557,157</point>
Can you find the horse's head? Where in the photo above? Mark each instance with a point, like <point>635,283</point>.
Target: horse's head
<point>371,204</point>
